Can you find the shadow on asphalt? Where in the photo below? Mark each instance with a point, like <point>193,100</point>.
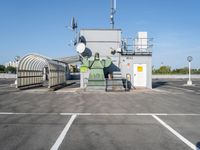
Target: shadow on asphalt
<point>198,145</point>
<point>158,84</point>
<point>73,84</point>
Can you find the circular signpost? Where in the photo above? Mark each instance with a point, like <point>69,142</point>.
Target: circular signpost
<point>189,59</point>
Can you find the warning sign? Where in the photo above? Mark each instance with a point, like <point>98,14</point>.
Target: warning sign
<point>139,68</point>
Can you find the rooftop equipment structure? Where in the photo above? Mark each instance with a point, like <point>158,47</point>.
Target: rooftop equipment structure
<point>96,71</point>
<point>131,61</point>
<point>36,70</point>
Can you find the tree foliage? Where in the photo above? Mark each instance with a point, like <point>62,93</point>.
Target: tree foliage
<point>162,70</point>
<point>10,69</point>
<point>168,70</point>
<point>2,68</point>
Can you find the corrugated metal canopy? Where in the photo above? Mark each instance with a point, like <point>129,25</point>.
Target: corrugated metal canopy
<point>34,70</point>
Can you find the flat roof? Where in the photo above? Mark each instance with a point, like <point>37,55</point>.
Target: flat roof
<point>104,29</point>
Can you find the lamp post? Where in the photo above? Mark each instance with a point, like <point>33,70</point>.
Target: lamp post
<point>189,59</point>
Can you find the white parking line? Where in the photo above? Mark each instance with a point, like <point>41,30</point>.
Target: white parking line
<point>128,114</point>
<point>13,113</point>
<point>183,139</point>
<point>117,114</point>
<point>102,114</point>
<point>63,133</point>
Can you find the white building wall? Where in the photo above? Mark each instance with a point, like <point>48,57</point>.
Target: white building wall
<point>102,41</point>
<point>127,67</point>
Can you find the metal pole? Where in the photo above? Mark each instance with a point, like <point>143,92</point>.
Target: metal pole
<point>189,73</point>
<point>189,59</point>
<point>112,15</point>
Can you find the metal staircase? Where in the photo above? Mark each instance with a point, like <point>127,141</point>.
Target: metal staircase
<point>117,83</point>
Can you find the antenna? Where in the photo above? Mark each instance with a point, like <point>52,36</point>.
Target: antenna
<point>74,24</point>
<point>112,13</point>
<point>17,58</point>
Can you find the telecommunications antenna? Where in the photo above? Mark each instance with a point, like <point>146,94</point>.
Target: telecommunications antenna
<point>112,13</point>
<point>17,58</point>
<point>74,24</point>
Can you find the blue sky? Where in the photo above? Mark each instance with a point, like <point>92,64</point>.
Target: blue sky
<point>38,26</point>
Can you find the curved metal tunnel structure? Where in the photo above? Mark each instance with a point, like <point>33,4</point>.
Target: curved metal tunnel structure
<point>35,70</point>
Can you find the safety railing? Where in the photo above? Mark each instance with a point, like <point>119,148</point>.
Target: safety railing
<point>113,84</point>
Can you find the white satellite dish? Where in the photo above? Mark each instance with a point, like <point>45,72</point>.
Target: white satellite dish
<point>80,48</point>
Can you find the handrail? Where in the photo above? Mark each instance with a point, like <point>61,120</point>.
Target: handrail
<point>116,84</point>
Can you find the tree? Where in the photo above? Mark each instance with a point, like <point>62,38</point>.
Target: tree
<point>180,71</point>
<point>10,69</point>
<point>162,70</point>
<point>167,70</point>
<point>2,68</point>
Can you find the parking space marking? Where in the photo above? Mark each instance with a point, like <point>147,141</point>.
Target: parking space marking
<point>116,114</point>
<point>63,133</point>
<point>102,114</point>
<point>74,115</point>
<point>183,139</point>
<point>13,113</point>
<point>129,114</point>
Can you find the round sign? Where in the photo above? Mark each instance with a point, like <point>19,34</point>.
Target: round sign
<point>80,48</point>
<point>189,58</point>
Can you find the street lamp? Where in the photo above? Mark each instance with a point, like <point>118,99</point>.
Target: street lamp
<point>189,59</point>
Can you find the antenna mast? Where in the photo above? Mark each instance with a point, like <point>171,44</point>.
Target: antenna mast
<point>74,27</point>
<point>112,13</point>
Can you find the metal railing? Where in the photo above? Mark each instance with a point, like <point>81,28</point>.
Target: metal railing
<point>115,83</point>
<point>109,84</point>
<point>137,46</point>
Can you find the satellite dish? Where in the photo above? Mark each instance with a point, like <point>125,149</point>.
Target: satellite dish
<point>80,48</point>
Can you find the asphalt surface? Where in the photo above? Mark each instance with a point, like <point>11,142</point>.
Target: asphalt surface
<point>37,119</point>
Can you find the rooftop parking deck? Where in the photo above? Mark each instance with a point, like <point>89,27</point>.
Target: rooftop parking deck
<point>166,117</point>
